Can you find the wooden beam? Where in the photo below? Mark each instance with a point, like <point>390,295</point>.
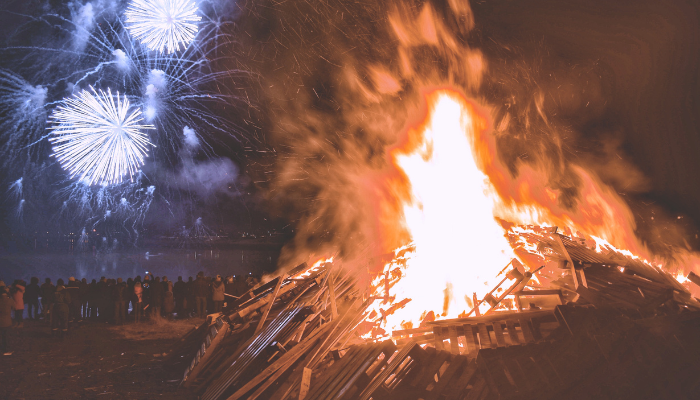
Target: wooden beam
<point>261,324</point>
<point>568,258</point>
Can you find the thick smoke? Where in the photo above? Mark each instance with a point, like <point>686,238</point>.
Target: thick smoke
<point>342,81</point>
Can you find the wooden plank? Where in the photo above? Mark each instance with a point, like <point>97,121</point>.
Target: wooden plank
<point>438,340</point>
<point>456,389</point>
<point>498,332</point>
<point>527,331</point>
<point>455,366</point>
<point>427,374</point>
<point>568,257</point>
<point>454,341</point>
<point>471,340</point>
<point>275,292</point>
<point>484,336</point>
<point>512,332</point>
<point>477,389</point>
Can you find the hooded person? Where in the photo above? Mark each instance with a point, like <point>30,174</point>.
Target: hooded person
<point>218,289</point>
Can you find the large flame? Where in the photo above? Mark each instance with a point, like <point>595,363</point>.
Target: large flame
<point>459,248</point>
<point>461,208</point>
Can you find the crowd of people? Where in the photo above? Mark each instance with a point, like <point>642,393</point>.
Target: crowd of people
<point>114,300</point>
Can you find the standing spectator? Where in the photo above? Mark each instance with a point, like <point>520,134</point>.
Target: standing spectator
<point>84,292</point>
<point>138,299</point>
<point>190,306</point>
<point>201,291</point>
<point>61,309</point>
<point>179,292</point>
<point>47,291</point>
<point>31,298</point>
<point>168,303</point>
<point>75,302</point>
<point>6,304</point>
<point>218,289</point>
<point>92,299</point>
<point>17,294</point>
<point>102,299</point>
<point>120,302</point>
<point>157,294</point>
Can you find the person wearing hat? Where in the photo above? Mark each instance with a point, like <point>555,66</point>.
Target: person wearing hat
<point>6,304</point>
<point>218,289</point>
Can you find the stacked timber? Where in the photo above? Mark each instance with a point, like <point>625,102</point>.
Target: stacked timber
<point>606,326</point>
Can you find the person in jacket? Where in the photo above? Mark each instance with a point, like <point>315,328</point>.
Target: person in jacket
<point>168,298</point>
<point>84,297</point>
<point>61,309</point>
<point>157,294</point>
<point>179,293</point>
<point>31,298</point>
<point>201,291</point>
<point>74,287</point>
<point>138,299</point>
<point>190,303</point>
<point>6,304</point>
<point>218,289</point>
<point>120,301</point>
<point>17,294</point>
<point>47,291</point>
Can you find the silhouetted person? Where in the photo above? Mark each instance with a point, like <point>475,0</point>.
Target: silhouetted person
<point>190,306</point>
<point>47,291</point>
<point>157,294</point>
<point>6,304</point>
<point>92,299</point>
<point>75,302</point>
<point>84,297</point>
<point>179,293</point>
<point>61,309</point>
<point>138,299</point>
<point>31,298</point>
<point>201,290</point>
<point>120,301</point>
<point>168,298</point>
<point>218,289</point>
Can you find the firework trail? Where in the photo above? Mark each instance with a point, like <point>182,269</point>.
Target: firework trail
<point>22,118</point>
<point>163,25</point>
<point>99,139</point>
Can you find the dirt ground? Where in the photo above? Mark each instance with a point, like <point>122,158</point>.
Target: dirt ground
<point>93,361</point>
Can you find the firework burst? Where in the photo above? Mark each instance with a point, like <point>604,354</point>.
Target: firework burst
<point>99,139</point>
<point>163,25</point>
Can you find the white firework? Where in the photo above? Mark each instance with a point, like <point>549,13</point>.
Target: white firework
<point>97,138</point>
<point>162,25</point>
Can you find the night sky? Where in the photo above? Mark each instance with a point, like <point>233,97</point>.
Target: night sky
<point>619,82</point>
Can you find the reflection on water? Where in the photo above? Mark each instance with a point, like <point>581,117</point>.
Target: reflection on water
<point>168,262</point>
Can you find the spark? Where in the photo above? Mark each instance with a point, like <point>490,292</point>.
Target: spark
<point>97,138</point>
<point>162,25</point>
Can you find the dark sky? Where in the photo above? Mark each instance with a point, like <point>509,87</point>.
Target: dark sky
<point>647,56</point>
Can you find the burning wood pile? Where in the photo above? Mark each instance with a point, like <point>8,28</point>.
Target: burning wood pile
<point>587,324</point>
